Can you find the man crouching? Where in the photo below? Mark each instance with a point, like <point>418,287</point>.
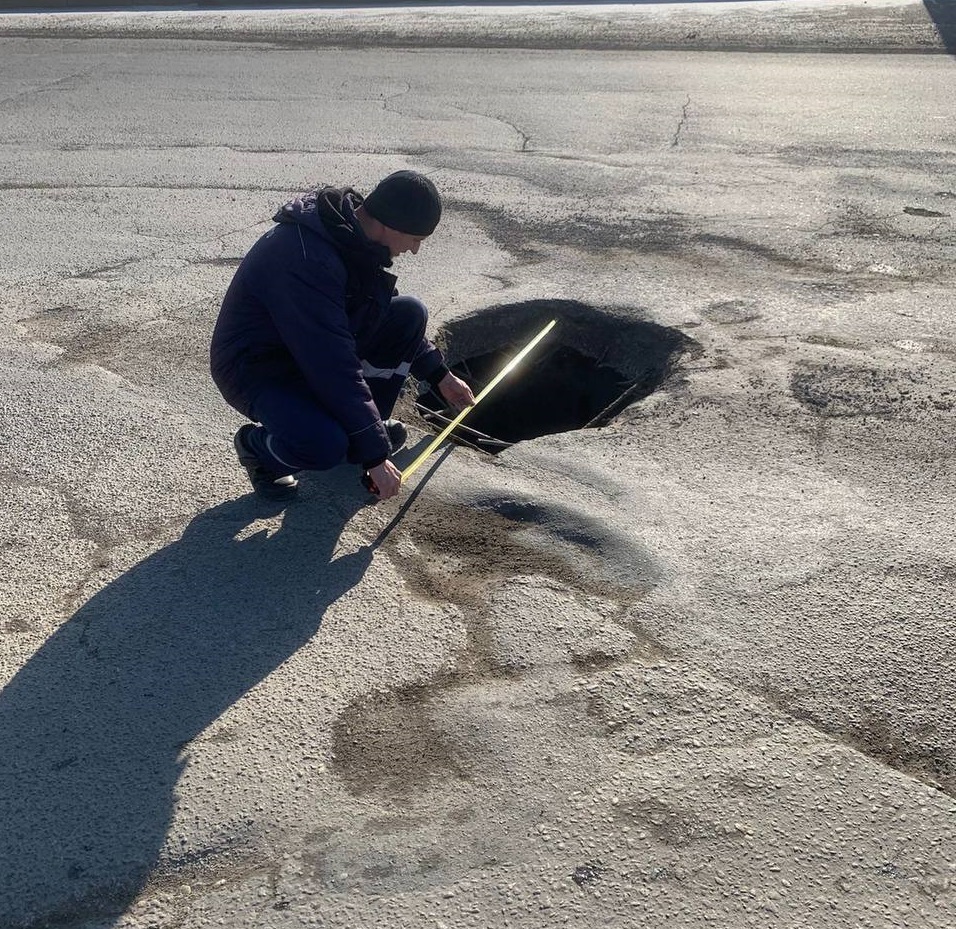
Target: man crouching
<point>313,344</point>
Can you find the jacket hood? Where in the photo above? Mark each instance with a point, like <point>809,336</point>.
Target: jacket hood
<point>330,211</point>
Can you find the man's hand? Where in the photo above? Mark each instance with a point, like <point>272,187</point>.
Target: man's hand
<point>387,479</point>
<point>456,392</point>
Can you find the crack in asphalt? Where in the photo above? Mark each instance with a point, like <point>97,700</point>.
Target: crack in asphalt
<point>680,124</point>
<point>523,136</point>
<point>386,99</point>
<point>43,88</point>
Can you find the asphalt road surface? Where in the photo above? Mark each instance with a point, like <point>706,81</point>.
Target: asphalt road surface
<point>692,667</point>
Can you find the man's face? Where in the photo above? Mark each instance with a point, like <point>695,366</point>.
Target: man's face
<point>400,242</point>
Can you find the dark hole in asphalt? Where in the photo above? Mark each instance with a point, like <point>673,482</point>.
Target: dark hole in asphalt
<point>590,367</point>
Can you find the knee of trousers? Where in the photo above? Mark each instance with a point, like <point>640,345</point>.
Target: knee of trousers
<point>411,313</point>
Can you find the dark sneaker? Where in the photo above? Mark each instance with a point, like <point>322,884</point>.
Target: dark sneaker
<point>397,434</point>
<point>267,484</point>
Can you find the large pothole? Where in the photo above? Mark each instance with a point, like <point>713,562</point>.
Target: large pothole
<point>590,367</point>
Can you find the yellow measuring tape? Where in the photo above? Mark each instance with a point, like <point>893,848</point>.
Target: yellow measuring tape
<point>507,369</point>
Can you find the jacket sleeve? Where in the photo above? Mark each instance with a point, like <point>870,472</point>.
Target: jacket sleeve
<point>429,364</point>
<point>306,301</point>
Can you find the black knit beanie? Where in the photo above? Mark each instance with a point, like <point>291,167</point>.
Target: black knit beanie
<point>405,201</point>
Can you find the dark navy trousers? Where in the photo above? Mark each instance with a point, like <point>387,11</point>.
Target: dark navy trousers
<point>298,434</point>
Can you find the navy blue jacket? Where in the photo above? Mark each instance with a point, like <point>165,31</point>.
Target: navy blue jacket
<point>299,308</point>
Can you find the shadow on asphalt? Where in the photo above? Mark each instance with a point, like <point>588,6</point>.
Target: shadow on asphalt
<point>943,14</point>
<point>95,726</point>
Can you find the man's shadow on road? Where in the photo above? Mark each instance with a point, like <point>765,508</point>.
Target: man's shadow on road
<point>92,727</point>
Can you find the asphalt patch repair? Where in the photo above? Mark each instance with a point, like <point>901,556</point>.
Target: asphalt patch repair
<point>592,366</point>
<point>393,743</point>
